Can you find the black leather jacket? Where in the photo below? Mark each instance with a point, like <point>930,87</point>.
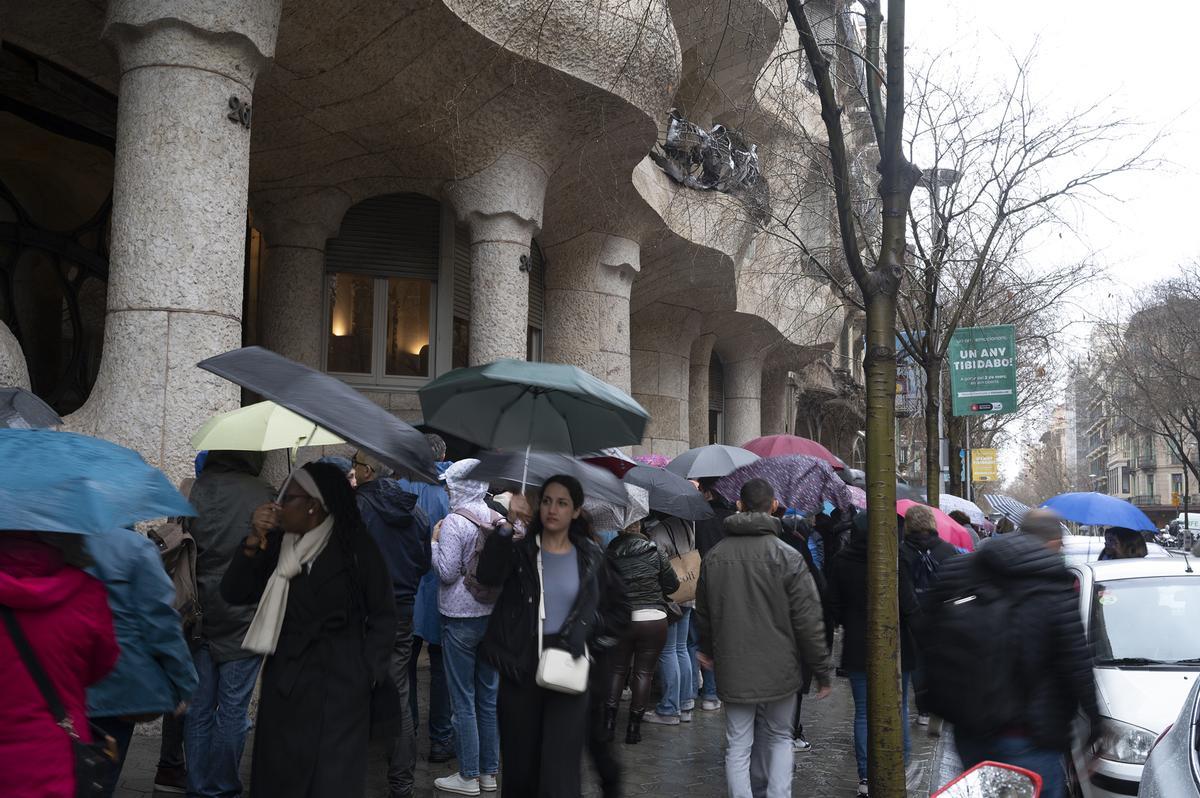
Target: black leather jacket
<point>511,643</point>
<point>648,576</point>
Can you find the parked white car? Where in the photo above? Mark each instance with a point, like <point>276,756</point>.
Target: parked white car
<point>1173,769</point>
<point>1140,616</point>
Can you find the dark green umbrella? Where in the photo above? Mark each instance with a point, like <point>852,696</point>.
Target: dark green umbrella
<point>514,405</point>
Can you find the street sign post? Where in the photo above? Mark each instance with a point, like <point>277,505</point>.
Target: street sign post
<point>983,370</point>
<point>983,465</point>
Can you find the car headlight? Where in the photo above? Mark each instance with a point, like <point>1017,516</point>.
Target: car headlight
<point>1124,742</point>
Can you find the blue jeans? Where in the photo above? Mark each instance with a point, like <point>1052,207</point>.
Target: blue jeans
<point>474,685</point>
<point>1019,751</point>
<point>675,667</point>
<point>858,687</point>
<point>709,691</point>
<point>216,723</point>
<point>441,732</point>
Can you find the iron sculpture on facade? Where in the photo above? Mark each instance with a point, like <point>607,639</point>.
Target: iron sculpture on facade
<point>719,159</point>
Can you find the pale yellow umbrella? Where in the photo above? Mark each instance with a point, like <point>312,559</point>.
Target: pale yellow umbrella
<point>261,427</point>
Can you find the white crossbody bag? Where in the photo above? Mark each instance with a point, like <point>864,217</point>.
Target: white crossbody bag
<point>557,670</point>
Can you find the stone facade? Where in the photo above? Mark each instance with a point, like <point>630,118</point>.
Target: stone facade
<point>529,121</point>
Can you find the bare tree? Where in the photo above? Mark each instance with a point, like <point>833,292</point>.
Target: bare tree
<point>1042,473</point>
<point>1002,172</point>
<point>878,284</point>
<point>1152,362</point>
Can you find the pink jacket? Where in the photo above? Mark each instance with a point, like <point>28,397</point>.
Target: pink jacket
<point>64,613</point>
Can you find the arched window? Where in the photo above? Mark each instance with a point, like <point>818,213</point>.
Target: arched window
<point>381,291</point>
<point>716,400</point>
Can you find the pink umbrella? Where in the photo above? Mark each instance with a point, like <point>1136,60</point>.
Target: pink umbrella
<point>947,528</point>
<point>655,460</point>
<point>858,496</point>
<point>778,445</point>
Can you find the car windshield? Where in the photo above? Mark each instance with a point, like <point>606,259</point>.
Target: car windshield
<point>1146,621</point>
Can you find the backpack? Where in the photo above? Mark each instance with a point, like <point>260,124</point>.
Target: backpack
<point>484,594</point>
<point>925,569</point>
<point>972,661</point>
<point>177,548</point>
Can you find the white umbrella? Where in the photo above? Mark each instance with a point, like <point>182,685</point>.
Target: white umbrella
<point>948,503</point>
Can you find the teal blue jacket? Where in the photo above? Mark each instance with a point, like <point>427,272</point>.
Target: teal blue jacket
<point>154,671</point>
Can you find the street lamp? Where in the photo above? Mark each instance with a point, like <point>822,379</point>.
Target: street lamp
<point>932,180</point>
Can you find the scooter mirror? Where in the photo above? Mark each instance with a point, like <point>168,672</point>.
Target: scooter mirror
<point>993,780</point>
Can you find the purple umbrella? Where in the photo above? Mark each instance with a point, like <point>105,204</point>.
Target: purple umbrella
<point>801,482</point>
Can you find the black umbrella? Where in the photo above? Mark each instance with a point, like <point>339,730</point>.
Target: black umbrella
<point>517,471</point>
<point>21,409</point>
<point>670,493</point>
<point>330,403</point>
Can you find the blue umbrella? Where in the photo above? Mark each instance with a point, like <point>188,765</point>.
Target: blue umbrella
<point>63,482</point>
<point>1099,509</point>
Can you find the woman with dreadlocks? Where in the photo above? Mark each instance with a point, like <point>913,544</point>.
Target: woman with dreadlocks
<point>325,621</point>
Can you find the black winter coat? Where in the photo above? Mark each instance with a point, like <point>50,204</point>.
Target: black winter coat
<point>847,595</point>
<point>402,532</point>
<point>314,711</point>
<point>1055,664</point>
<point>795,536</point>
<point>511,643</point>
<point>711,531</point>
<point>648,576</point>
<point>224,495</point>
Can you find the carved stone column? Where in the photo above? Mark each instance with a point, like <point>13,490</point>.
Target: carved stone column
<point>178,218</point>
<point>775,399</point>
<point>698,388</point>
<point>502,205</point>
<point>661,346</point>
<point>294,277</point>
<point>743,400</point>
<point>588,283</point>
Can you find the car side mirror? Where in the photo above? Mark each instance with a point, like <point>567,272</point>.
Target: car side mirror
<point>993,780</point>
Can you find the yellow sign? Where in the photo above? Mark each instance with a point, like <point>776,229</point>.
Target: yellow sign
<point>983,465</point>
<point>1175,498</point>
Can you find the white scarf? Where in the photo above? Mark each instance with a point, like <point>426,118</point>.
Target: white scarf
<point>295,551</point>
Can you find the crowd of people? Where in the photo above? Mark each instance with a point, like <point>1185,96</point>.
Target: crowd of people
<point>538,629</point>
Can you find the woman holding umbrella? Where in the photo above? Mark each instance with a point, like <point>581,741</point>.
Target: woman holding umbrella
<point>550,581</point>
<point>323,595</point>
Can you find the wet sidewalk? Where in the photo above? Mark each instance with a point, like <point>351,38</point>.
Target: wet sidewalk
<point>683,761</point>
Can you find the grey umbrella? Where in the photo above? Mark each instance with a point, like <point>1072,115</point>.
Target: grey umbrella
<point>330,403</point>
<point>670,494</point>
<point>517,471</point>
<point>22,409</point>
<point>715,460</point>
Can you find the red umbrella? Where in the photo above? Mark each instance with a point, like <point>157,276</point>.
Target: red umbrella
<point>777,445</point>
<point>947,528</point>
<point>616,465</point>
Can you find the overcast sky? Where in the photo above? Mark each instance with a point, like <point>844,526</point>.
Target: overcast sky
<point>1143,60</point>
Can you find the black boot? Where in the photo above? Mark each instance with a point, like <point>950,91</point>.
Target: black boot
<point>633,733</point>
<point>610,724</point>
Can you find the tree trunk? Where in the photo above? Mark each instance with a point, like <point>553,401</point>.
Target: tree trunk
<point>933,409</point>
<point>955,435</point>
<point>883,611</point>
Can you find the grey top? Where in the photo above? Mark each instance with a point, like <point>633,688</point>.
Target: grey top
<point>560,584</point>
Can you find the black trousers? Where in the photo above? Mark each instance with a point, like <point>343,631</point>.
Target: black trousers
<point>604,758</point>
<point>635,659</point>
<point>542,734</point>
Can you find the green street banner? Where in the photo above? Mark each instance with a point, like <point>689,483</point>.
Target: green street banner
<point>983,370</point>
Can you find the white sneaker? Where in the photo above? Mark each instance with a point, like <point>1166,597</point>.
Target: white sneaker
<point>800,745</point>
<point>626,694</point>
<point>922,720</point>
<point>661,720</point>
<point>457,785</point>
<point>487,783</point>
<point>863,792</point>
<point>685,716</point>
<point>710,704</point>
<point>689,705</point>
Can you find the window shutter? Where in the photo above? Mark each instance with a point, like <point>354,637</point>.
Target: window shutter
<point>394,235</point>
<point>716,384</point>
<point>537,286</point>
<point>462,272</point>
